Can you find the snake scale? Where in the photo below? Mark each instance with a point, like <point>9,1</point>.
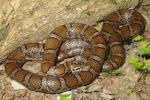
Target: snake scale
<point>75,53</point>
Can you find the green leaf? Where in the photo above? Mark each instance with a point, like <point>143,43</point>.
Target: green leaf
<point>145,51</point>
<point>144,44</point>
<point>136,63</point>
<point>65,96</point>
<point>130,90</point>
<point>137,38</point>
<point>143,48</point>
<point>146,64</point>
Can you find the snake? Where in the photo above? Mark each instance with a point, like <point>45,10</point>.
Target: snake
<point>74,54</point>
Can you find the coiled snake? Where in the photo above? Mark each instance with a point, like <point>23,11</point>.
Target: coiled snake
<point>74,54</point>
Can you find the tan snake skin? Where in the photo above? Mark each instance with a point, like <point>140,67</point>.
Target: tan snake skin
<point>80,49</point>
<point>121,26</point>
<point>74,53</point>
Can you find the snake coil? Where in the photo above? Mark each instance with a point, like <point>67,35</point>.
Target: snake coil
<point>74,54</point>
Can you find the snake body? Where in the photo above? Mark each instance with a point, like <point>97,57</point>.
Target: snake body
<point>74,54</point>
<point>120,26</point>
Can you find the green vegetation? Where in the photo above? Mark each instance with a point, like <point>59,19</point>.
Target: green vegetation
<point>117,72</point>
<point>113,2</point>
<point>130,91</point>
<point>65,96</point>
<point>143,49</point>
<point>137,38</point>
